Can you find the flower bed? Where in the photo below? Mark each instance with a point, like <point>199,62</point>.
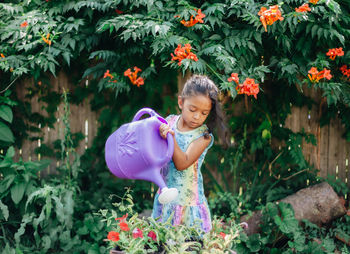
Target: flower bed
<point>130,233</point>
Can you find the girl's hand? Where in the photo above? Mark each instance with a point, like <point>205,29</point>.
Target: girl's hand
<point>164,129</point>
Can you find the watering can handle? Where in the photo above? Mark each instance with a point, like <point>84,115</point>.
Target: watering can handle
<point>170,151</point>
<point>143,111</point>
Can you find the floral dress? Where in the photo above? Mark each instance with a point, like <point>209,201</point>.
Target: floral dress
<point>190,207</point>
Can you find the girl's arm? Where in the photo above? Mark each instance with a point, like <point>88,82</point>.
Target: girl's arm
<point>182,160</point>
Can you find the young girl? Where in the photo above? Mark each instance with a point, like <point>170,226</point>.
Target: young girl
<point>198,101</point>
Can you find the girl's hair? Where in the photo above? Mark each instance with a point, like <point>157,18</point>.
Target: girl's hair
<point>202,85</point>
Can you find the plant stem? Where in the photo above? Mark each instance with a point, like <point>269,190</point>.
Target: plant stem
<point>211,68</point>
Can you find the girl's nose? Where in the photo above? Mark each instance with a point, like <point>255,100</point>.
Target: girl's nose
<point>196,116</point>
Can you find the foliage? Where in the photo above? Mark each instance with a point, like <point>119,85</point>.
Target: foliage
<point>282,233</point>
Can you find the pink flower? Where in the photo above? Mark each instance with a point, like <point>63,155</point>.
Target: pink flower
<point>152,235</point>
<point>137,233</point>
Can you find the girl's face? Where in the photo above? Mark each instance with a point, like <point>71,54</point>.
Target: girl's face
<point>195,110</point>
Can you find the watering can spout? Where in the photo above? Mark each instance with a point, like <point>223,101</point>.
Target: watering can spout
<point>153,175</point>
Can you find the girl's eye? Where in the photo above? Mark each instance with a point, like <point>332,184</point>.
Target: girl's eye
<point>204,114</point>
<point>192,110</point>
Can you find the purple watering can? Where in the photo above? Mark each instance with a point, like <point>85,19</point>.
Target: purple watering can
<point>137,151</point>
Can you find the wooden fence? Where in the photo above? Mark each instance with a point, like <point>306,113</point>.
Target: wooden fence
<point>331,155</point>
<point>82,119</point>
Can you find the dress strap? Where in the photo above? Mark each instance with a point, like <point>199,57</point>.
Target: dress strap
<point>172,119</point>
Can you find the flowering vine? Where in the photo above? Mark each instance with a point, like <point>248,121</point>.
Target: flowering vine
<point>315,76</point>
<point>269,16</point>
<point>46,39</point>
<point>199,18</point>
<point>110,76</point>
<point>139,81</point>
<point>345,71</point>
<point>249,87</point>
<point>303,8</point>
<point>332,53</point>
<point>182,53</point>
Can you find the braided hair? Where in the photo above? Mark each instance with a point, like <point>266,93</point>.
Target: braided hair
<point>202,85</point>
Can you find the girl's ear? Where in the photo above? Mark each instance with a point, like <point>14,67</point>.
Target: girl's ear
<point>180,101</point>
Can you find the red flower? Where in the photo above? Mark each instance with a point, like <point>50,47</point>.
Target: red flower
<point>137,233</point>
<point>24,24</point>
<point>139,81</point>
<point>345,71</point>
<point>113,236</point>
<point>303,8</point>
<point>234,77</point>
<point>222,234</point>
<point>269,16</point>
<point>343,68</point>
<point>182,53</point>
<point>199,18</point>
<point>124,226</point>
<point>119,11</point>
<point>332,53</point>
<point>313,1</point>
<point>152,235</point>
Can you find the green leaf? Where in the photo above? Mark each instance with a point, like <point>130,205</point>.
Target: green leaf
<point>334,6</point>
<point>6,113</point>
<point>4,210</point>
<point>6,134</point>
<point>17,192</point>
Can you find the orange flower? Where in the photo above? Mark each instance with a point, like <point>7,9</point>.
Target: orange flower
<point>113,236</point>
<point>315,76</point>
<point>303,8</point>
<point>46,40</point>
<point>324,74</point>
<point>122,218</point>
<point>199,18</point>
<point>249,87</point>
<point>24,24</point>
<point>269,16</point>
<point>139,81</point>
<point>222,234</point>
<point>332,53</point>
<point>107,74</point>
<point>234,77</point>
<point>182,53</point>
<point>124,226</point>
<point>339,51</point>
<point>2,55</point>
<point>313,1</point>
